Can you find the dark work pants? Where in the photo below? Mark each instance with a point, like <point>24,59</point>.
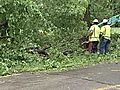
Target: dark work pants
<point>93,46</point>
<point>104,46</point>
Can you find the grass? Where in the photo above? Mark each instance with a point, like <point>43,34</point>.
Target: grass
<point>61,63</point>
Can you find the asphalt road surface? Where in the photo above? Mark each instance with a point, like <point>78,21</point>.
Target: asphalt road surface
<point>100,77</point>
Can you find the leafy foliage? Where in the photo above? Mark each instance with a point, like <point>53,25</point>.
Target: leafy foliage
<point>36,23</point>
<point>102,9</point>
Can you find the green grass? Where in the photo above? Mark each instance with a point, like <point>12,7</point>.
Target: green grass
<point>60,63</point>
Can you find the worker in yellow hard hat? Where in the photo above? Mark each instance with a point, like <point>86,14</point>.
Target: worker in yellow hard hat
<point>93,34</point>
<point>105,39</point>
<point>95,21</point>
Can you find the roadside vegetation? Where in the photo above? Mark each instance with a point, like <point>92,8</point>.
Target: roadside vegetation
<point>43,35</point>
<point>115,30</point>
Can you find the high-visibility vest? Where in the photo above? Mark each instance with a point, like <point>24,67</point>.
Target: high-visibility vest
<point>105,30</point>
<point>95,33</point>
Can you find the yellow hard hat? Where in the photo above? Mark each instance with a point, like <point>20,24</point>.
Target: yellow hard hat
<point>95,20</point>
<point>105,20</point>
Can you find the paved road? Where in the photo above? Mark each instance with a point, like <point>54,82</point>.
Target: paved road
<point>100,77</point>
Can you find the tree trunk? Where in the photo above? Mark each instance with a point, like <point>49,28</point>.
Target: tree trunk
<point>87,16</point>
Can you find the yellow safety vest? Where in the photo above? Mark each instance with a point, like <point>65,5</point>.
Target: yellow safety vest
<point>105,30</point>
<point>95,33</point>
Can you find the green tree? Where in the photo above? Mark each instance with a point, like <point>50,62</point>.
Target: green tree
<point>102,9</point>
